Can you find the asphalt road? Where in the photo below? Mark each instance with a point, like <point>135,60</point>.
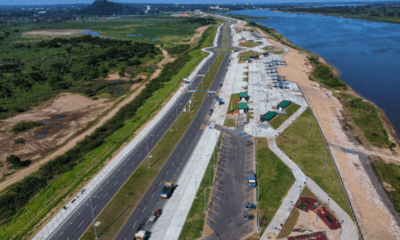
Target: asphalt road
<point>81,218</point>
<point>231,191</point>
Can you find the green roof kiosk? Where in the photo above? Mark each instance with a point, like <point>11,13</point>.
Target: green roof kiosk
<point>242,107</point>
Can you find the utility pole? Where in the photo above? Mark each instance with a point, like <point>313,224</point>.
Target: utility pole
<point>258,220</point>
<point>148,153</point>
<point>325,157</point>
<point>94,225</point>
<point>204,190</point>
<point>209,176</point>
<point>195,185</point>
<point>309,124</point>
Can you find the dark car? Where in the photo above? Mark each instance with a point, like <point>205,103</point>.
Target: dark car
<point>250,206</point>
<point>249,217</point>
<point>249,143</point>
<point>166,191</point>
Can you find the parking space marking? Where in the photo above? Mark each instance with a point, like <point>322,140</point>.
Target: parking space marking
<point>211,219</point>
<point>215,204</point>
<point>218,190</point>
<point>251,198</point>
<point>220,172</point>
<point>221,167</point>
<point>216,196</point>
<point>247,223</point>
<point>219,178</point>
<point>221,162</point>
<point>213,211</point>
<point>219,184</point>
<point>247,164</point>
<point>249,169</point>
<point>248,192</point>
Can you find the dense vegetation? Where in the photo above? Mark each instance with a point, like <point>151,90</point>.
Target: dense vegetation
<point>383,12</point>
<point>180,48</point>
<point>324,75</point>
<point>15,197</point>
<point>245,17</point>
<point>24,126</point>
<point>389,173</point>
<point>104,7</point>
<point>33,72</point>
<point>366,116</point>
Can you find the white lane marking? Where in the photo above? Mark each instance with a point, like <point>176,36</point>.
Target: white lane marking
<point>152,195</point>
<point>166,173</point>
<point>132,163</point>
<point>177,155</point>
<point>95,207</point>
<point>105,195</point>
<point>81,223</point>
<point>186,141</point>
<point>115,183</point>
<point>182,148</point>
<point>144,208</point>
<point>124,173</point>
<point>134,224</point>
<point>140,155</point>
<point>172,163</point>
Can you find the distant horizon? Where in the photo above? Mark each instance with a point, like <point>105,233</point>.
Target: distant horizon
<point>59,2</point>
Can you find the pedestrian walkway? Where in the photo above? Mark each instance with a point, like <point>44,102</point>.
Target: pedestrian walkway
<point>170,224</point>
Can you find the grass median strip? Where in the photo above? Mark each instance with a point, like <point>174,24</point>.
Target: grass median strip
<point>247,54</point>
<point>281,118</point>
<point>307,149</point>
<point>119,208</point>
<point>249,44</point>
<point>275,180</point>
<point>233,106</point>
<point>196,218</point>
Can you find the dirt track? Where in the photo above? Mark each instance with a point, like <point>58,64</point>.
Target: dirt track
<point>35,166</point>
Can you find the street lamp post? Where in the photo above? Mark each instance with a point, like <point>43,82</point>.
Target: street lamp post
<point>94,224</point>
<point>325,157</point>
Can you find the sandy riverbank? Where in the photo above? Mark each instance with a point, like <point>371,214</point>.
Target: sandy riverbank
<point>373,209</point>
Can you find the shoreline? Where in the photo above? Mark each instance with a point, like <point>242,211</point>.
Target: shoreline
<point>393,133</point>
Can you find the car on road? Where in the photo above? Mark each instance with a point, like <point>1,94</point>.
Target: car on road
<point>249,206</point>
<point>155,216</point>
<point>249,217</point>
<point>167,189</point>
<point>249,143</point>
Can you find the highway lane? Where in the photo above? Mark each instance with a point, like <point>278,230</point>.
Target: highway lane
<point>81,218</point>
<point>152,200</point>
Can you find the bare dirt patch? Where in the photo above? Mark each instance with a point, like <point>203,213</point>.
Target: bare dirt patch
<point>77,106</point>
<point>54,32</point>
<point>127,26</point>
<point>62,117</point>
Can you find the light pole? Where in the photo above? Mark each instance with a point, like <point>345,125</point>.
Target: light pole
<point>177,119</point>
<point>325,157</point>
<point>94,224</point>
<point>309,124</point>
<point>209,176</point>
<point>148,151</point>
<point>204,190</point>
<point>258,220</point>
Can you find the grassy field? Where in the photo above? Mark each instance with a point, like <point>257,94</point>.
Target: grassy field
<point>232,105</point>
<point>307,150</point>
<point>225,35</point>
<point>230,122</point>
<point>388,173</point>
<point>366,117</point>
<point>249,44</point>
<point>113,216</point>
<point>24,224</point>
<point>281,118</point>
<point>247,54</point>
<point>275,180</point>
<point>224,49</point>
<point>289,224</point>
<point>195,220</point>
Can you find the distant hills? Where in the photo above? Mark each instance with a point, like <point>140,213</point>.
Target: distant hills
<point>104,7</point>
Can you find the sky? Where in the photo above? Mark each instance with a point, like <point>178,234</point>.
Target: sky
<point>45,2</point>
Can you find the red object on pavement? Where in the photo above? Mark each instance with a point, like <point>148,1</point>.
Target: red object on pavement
<point>307,203</point>
<point>314,236</point>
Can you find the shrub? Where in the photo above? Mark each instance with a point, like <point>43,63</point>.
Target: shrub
<point>24,126</point>
<point>19,141</point>
<point>14,160</point>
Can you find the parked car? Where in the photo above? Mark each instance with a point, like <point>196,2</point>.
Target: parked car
<point>249,143</point>
<point>155,216</point>
<point>249,217</point>
<point>249,206</point>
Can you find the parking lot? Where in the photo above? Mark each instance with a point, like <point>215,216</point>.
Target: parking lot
<point>231,191</point>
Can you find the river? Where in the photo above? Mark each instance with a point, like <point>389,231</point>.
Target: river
<point>367,53</point>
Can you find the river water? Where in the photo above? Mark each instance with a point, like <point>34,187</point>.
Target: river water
<point>367,53</point>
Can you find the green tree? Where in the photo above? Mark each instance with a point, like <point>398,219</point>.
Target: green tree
<point>14,160</point>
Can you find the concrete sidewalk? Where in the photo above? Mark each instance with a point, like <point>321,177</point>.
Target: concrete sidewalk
<point>170,224</point>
